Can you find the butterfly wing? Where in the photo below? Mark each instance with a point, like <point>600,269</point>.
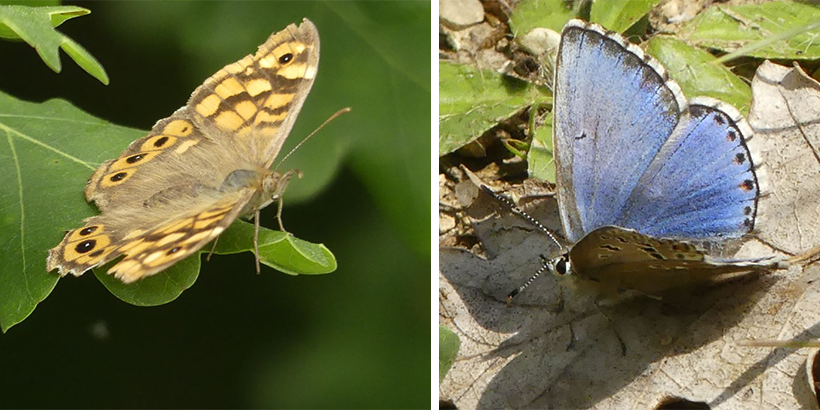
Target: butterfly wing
<point>614,108</point>
<point>627,155</point>
<point>238,119</point>
<point>177,188</point>
<point>703,183</point>
<point>256,100</point>
<point>150,240</point>
<point>618,259</point>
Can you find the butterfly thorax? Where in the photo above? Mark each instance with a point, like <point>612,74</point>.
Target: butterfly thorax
<point>267,185</point>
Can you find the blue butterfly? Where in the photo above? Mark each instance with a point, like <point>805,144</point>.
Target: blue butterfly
<point>641,173</point>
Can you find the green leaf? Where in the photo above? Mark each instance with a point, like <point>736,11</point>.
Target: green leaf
<point>35,26</point>
<point>84,59</point>
<point>279,250</point>
<point>30,3</point>
<point>49,150</point>
<point>696,73</point>
<point>472,101</point>
<point>551,14</point>
<point>30,16</point>
<point>448,344</point>
<point>540,160</point>
<point>154,290</point>
<point>619,15</point>
<point>791,25</point>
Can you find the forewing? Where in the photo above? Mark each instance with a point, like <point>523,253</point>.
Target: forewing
<point>254,102</point>
<point>614,109</point>
<point>239,118</point>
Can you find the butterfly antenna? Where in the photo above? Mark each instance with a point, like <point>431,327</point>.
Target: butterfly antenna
<point>332,117</point>
<point>516,210</point>
<point>542,269</point>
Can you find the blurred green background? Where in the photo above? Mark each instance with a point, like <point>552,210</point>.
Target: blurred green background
<point>356,338</point>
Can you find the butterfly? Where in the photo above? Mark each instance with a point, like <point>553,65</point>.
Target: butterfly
<point>178,188</point>
<point>642,174</point>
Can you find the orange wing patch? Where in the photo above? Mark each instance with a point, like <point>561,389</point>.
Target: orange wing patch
<point>248,92</point>
<point>173,241</point>
<point>166,134</point>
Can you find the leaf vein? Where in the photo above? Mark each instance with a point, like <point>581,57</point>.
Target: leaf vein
<point>34,117</point>
<point>16,161</point>
<point>10,130</point>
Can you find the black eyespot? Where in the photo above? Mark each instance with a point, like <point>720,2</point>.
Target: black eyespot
<point>160,142</point>
<point>118,176</point>
<point>285,58</point>
<point>720,120</point>
<point>731,135</point>
<point>740,158</point>
<point>747,185</point>
<point>747,210</point>
<point>173,251</point>
<point>134,158</point>
<point>85,246</point>
<point>88,230</point>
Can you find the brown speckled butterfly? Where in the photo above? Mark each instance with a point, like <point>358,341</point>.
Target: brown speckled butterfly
<point>178,188</point>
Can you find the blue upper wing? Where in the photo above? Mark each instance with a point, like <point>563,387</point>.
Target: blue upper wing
<point>629,151</point>
<point>702,184</point>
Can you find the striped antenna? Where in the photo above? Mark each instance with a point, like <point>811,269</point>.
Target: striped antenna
<point>545,263</point>
<point>518,211</point>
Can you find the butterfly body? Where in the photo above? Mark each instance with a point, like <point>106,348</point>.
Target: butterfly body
<point>642,173</point>
<point>613,259</point>
<point>173,191</point>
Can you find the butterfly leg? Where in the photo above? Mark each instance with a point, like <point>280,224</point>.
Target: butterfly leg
<point>279,205</point>
<point>211,252</point>
<point>571,343</point>
<point>256,240</point>
<point>559,307</point>
<point>621,342</point>
<point>283,182</point>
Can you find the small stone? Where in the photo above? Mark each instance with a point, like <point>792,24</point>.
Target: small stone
<point>459,14</point>
<point>541,42</point>
<point>466,192</point>
<point>468,40</point>
<point>445,223</point>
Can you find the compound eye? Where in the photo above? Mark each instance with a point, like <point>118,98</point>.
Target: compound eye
<point>561,266</point>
